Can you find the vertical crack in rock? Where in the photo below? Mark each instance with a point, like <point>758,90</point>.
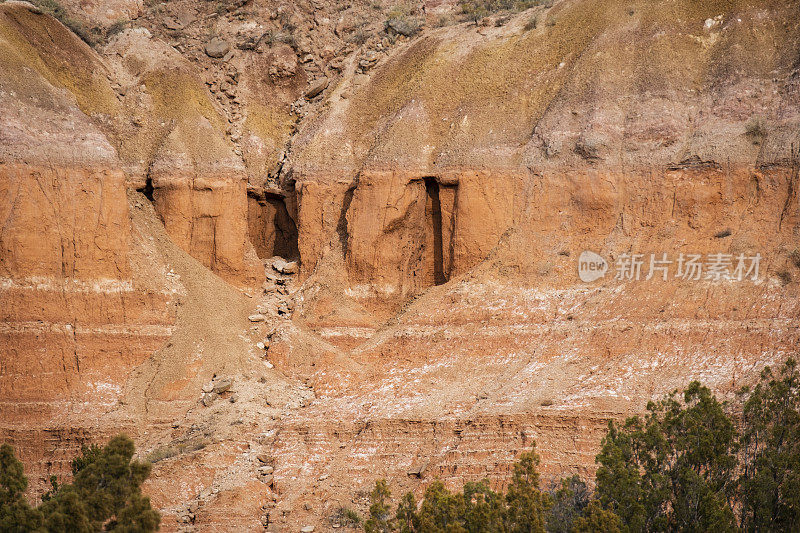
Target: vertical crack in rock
<point>148,189</point>
<point>285,243</point>
<point>272,230</point>
<point>341,225</point>
<point>435,214</point>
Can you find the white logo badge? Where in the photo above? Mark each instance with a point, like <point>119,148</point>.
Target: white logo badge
<point>591,266</point>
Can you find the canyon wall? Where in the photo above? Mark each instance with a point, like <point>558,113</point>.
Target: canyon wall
<point>437,193</point>
<point>77,317</point>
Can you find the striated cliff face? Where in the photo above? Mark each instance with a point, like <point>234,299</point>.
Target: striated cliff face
<point>437,195</point>
<point>77,315</point>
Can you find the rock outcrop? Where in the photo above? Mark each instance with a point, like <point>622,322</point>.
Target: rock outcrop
<point>428,199</point>
<point>77,315</point>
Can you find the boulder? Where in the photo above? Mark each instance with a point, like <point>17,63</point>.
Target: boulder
<point>316,88</point>
<point>223,385</point>
<point>208,398</point>
<point>217,48</point>
<point>284,267</point>
<point>417,470</point>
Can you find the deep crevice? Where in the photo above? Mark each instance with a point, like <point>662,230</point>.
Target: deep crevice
<point>148,189</point>
<point>435,214</point>
<point>341,224</point>
<point>272,229</point>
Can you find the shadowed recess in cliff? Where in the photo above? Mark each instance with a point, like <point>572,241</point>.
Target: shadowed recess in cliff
<point>148,189</point>
<point>341,225</point>
<point>433,214</point>
<point>272,229</point>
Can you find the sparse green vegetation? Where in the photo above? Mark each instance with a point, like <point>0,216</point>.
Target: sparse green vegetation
<point>118,27</point>
<point>477,508</point>
<point>271,37</point>
<point>444,20</point>
<point>105,494</point>
<point>755,129</point>
<point>475,10</point>
<point>687,465</point>
<point>403,20</point>
<point>359,37</point>
<point>346,517</point>
<point>51,7</point>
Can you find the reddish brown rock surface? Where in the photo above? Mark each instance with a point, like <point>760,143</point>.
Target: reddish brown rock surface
<point>437,195</point>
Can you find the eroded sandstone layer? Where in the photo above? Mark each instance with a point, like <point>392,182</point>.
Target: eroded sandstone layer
<point>436,192</point>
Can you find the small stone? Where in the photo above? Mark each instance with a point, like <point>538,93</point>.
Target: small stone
<point>307,529</point>
<point>260,345</point>
<point>417,470</point>
<point>264,458</point>
<point>234,399</point>
<point>284,267</point>
<point>223,385</point>
<point>316,88</point>
<point>268,364</point>
<point>323,477</point>
<point>258,317</point>
<point>208,387</point>
<point>266,470</point>
<point>208,399</point>
<point>217,48</point>
<point>267,479</point>
<point>172,24</point>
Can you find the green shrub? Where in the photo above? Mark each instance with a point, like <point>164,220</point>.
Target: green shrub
<point>402,20</point>
<point>475,10</point>
<point>105,494</point>
<point>53,8</point>
<point>684,466</point>
<point>359,37</point>
<point>755,128</point>
<point>346,517</point>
